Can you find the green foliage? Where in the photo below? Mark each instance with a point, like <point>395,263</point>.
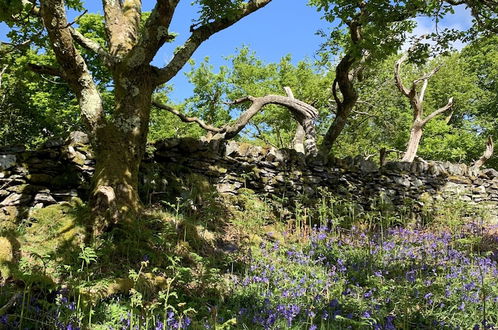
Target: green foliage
<point>248,75</point>
<point>33,108</point>
<point>217,9</point>
<point>383,26</point>
<point>209,90</point>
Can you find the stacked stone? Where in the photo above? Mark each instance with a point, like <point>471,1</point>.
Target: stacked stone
<point>63,170</point>
<point>55,173</point>
<point>284,172</point>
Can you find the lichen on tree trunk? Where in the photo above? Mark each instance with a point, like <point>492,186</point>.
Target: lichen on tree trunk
<point>119,136</point>
<point>120,148</point>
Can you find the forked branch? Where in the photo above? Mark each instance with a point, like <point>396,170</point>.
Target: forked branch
<point>202,33</point>
<point>92,46</point>
<point>416,98</point>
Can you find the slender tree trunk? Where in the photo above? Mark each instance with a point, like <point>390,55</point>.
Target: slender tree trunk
<point>119,151</point>
<point>336,128</point>
<point>413,142</point>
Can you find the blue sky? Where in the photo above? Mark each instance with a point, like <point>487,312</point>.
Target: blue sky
<point>282,27</point>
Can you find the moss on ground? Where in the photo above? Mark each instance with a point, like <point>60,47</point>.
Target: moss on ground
<point>6,258</point>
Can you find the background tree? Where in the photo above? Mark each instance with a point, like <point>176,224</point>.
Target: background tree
<point>368,31</point>
<point>416,97</point>
<point>382,116</point>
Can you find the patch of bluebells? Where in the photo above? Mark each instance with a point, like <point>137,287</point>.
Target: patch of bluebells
<point>403,278</point>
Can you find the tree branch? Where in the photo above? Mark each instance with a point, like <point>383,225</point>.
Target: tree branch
<point>201,34</point>
<point>296,106</point>
<point>13,46</point>
<point>45,69</point>
<point>73,67</point>
<point>438,112</point>
<point>186,119</point>
<point>156,31</point>
<point>92,46</point>
<point>486,155</point>
<point>35,10</point>
<point>1,74</point>
<point>425,79</point>
<point>113,16</point>
<point>397,76</point>
<point>338,102</point>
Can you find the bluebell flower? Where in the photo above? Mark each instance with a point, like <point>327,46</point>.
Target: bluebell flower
<point>159,325</point>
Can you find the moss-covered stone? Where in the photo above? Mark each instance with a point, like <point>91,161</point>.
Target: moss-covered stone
<point>218,169</point>
<point>9,216</point>
<point>246,191</point>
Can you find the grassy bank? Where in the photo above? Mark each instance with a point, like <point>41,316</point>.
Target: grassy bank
<point>235,264</point>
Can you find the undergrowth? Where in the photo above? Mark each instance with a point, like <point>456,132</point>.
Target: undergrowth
<point>203,262</point>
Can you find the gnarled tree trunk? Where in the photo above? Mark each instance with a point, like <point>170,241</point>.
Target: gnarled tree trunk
<point>119,138</point>
<point>488,152</point>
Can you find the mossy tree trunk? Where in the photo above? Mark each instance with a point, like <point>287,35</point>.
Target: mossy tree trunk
<point>119,149</point>
<point>119,137</point>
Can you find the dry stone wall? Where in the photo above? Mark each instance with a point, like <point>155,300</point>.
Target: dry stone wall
<point>62,170</point>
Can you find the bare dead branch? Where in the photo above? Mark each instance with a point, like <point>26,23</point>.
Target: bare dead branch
<point>294,105</point>
<point>241,100</point>
<point>425,80</point>
<point>288,91</point>
<point>397,75</point>
<point>439,111</point>
<point>428,75</point>
<point>486,155</point>
<point>298,140</point>
<point>186,119</point>
<point>1,74</point>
